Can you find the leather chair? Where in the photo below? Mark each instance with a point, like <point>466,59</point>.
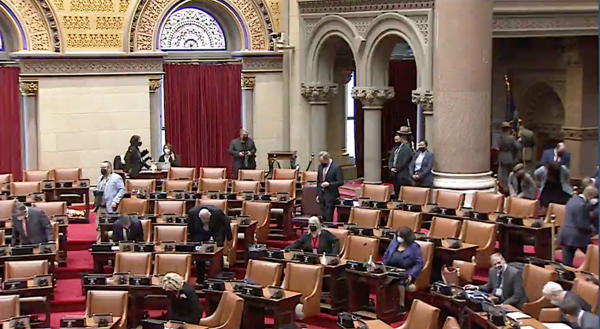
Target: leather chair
<point>251,174</point>
<point>451,323</point>
<point>212,184</point>
<point>148,185</point>
<point>9,307</point>
<point>360,248</point>
<point>550,315</point>
<point>170,233</point>
<point>260,212</point>
<point>108,301</point>
<point>51,209</point>
<point>424,279</point>
<point>281,186</point>
<point>400,218</point>
<point>21,270</point>
<point>466,271</point>
<point>421,316</point>
<point>147,228</point>
<point>6,208</point>
<point>309,176</point>
<point>285,174</point>
<point>181,173</point>
<point>67,174</point>
<point>415,195</point>
<point>214,173</point>
<point>375,192</point>
<point>264,273</point>
<point>129,206</point>
<point>558,210</point>
<point>231,253</point>
<point>221,204</point>
<point>135,263</point>
<point>484,236</point>
<point>176,263</point>
<point>449,200</point>
<point>228,314</point>
<point>365,217</point>
<point>238,186</point>
<point>25,188</point>
<point>487,203</point>
<point>37,175</point>
<point>170,207</point>
<point>310,206</point>
<point>177,185</point>
<point>534,279</point>
<point>590,263</point>
<point>4,178</point>
<point>588,291</point>
<point>442,227</point>
<point>307,280</point>
<point>2,237</point>
<point>342,236</point>
<point>521,208</point>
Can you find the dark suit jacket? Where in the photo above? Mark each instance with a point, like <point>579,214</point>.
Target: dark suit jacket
<point>174,162</point>
<point>219,227</point>
<point>508,150</point>
<point>40,229</point>
<point>512,286</point>
<point>403,162</point>
<point>582,304</point>
<point>588,321</point>
<point>412,258</point>
<point>185,309</point>
<point>136,232</point>
<point>335,179</point>
<point>328,243</point>
<point>133,161</point>
<point>235,147</point>
<point>425,174</point>
<point>576,230</point>
<point>548,156</point>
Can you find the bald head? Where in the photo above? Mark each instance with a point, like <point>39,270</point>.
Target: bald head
<point>205,216</point>
<point>590,192</point>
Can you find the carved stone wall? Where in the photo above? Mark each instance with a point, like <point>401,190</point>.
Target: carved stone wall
<point>38,20</point>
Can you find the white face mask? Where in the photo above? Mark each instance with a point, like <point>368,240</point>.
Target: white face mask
<point>400,240</point>
<point>167,151</point>
<point>555,302</point>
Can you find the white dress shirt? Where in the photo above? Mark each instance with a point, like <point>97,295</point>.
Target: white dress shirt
<point>419,161</point>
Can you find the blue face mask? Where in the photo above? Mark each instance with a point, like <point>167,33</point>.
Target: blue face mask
<point>400,240</point>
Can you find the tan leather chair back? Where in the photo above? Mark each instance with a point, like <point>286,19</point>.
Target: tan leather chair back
<point>129,206</point>
<point>558,210</point>
<point>181,173</point>
<point>307,280</point>
<point>415,195</point>
<point>212,184</point>
<point>170,207</point>
<point>285,174</point>
<point>359,248</point>
<point>147,228</point>
<point>4,178</point>
<point>228,314</point>
<point>375,192</point>
<point>36,175</point>
<point>24,269</point>
<point>173,263</point>
<point>281,186</point>
<point>427,251</point>
<point>214,173</point>
<point>231,253</point>
<point>484,236</point>
<point>238,186</point>
<point>466,269</point>
<point>451,323</point>
<point>6,208</point>
<point>422,316</point>
<point>221,204</point>
<point>342,236</point>
<point>588,291</point>
<point>590,263</point>
<point>135,263</point>
<point>177,185</point>
<point>365,217</point>
<point>9,307</point>
<point>534,279</point>
<point>444,227</point>
<point>261,212</point>
<point>2,237</point>
<point>521,208</point>
<point>25,188</point>
<point>401,218</point>
<point>108,301</point>
<point>148,185</point>
<point>449,200</point>
<point>487,203</point>
<point>251,174</point>
<point>309,176</point>
<point>67,174</point>
<point>51,208</point>
<point>264,273</point>
<point>170,233</point>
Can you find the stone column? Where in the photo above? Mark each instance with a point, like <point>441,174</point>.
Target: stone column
<point>29,91</point>
<point>424,99</point>
<point>462,95</point>
<point>155,129</point>
<point>372,99</point>
<point>318,96</point>
<point>248,83</point>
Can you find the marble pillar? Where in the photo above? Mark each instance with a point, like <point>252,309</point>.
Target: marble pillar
<point>462,95</point>
<point>248,84</point>
<point>372,99</point>
<point>155,129</point>
<point>29,91</point>
<point>424,100</point>
<point>318,96</point>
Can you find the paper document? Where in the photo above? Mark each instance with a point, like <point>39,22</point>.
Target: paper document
<point>556,325</point>
<point>518,316</point>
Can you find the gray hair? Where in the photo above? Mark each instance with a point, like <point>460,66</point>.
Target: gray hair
<point>18,207</point>
<point>244,131</point>
<point>497,255</point>
<point>324,155</point>
<point>172,282</point>
<point>551,289</point>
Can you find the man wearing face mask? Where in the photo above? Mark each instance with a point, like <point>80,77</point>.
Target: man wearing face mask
<point>421,166</point>
<point>169,156</point>
<point>108,192</point>
<point>558,154</point>
<point>243,152</point>
<point>521,184</point>
<point>329,180</point>
<point>30,226</point>
<point>401,159</point>
<point>504,282</point>
<point>134,158</point>
<point>555,293</point>
<point>316,240</point>
<point>578,227</point>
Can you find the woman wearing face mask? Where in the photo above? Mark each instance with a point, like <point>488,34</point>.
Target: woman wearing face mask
<point>169,156</point>
<point>184,304</point>
<point>403,252</point>
<point>133,157</point>
<point>317,240</point>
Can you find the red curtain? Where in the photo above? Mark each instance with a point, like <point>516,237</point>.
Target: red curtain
<point>10,122</point>
<point>203,112</point>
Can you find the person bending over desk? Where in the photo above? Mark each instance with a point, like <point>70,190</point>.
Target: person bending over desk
<point>585,320</point>
<point>128,229</point>
<point>30,226</point>
<point>317,240</point>
<point>555,293</point>
<point>184,305</point>
<point>403,252</point>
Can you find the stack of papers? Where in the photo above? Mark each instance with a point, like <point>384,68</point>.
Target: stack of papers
<point>555,326</point>
<point>518,316</point>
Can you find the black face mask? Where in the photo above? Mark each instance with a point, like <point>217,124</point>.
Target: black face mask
<point>139,143</point>
<point>312,228</point>
<point>103,171</point>
<point>422,149</point>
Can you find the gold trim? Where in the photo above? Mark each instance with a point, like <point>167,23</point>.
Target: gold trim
<point>29,88</point>
<point>154,84</point>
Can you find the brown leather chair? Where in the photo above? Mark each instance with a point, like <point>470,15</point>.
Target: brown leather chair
<point>170,207</point>
<point>231,253</point>
<point>449,200</point>
<point>260,212</point>
<point>214,173</point>
<point>51,209</point>
<point>375,192</point>
<point>251,174</point>
<point>285,174</point>
<point>588,291</point>
<point>365,217</point>
<point>173,263</point>
<point>177,185</point>
<point>487,203</point>
<point>558,210</point>
<point>534,279</point>
<point>9,307</point>
<point>281,186</point>
<point>25,188</point>
<point>424,279</point>
<point>6,208</point>
<point>228,314</point>
<point>135,263</point>
<point>264,273</point>
<point>484,236</point>
<point>212,184</point>
<point>521,208</point>
<point>415,195</point>
<point>451,323</point>
<point>15,270</point>
<point>147,228</point>
<point>221,204</point>
<point>129,206</point>
<point>342,236</point>
<point>2,237</point>
<point>466,271</point>
<point>442,227</point>
<point>67,174</point>
<point>4,179</point>
<point>421,316</point>
<point>307,280</point>
<point>181,173</point>
<point>590,263</point>
<point>37,175</point>
<point>309,176</point>
<point>170,233</point>
<point>401,218</point>
<point>148,185</point>
<point>360,248</point>
<point>108,301</point>
<point>238,186</point>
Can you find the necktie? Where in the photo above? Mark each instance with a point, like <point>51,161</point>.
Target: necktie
<point>396,154</point>
<point>324,173</point>
<point>26,227</point>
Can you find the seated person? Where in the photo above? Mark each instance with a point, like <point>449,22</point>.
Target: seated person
<point>316,240</point>
<point>127,228</point>
<point>184,304</point>
<point>504,282</point>
<point>574,314</point>
<point>30,226</point>
<point>555,293</point>
<point>169,156</point>
<point>403,252</point>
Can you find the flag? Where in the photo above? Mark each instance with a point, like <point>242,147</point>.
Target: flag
<point>512,115</point>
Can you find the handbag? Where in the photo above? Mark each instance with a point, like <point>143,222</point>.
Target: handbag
<point>451,275</point>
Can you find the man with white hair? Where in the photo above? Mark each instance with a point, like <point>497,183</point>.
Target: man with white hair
<point>243,152</point>
<point>184,304</point>
<point>555,293</point>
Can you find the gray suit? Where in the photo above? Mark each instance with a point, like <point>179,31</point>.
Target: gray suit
<point>528,188</point>
<point>512,286</point>
<point>588,321</point>
<point>508,157</point>
<point>39,227</point>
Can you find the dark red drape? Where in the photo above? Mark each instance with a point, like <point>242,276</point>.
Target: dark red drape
<point>203,112</point>
<point>10,122</point>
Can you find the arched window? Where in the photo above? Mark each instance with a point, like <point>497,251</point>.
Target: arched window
<point>192,29</point>
<point>1,43</point>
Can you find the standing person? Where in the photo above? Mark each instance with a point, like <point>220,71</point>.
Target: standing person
<point>184,304</point>
<point>508,155</point>
<point>329,180</point>
<point>401,160</point>
<point>134,161</point>
<point>527,139</point>
<point>553,181</point>
<point>243,151</point>
<point>421,166</point>
<point>30,226</point>
<point>521,184</point>
<point>557,154</point>
<point>577,229</point>
<point>108,193</point>
<point>169,156</point>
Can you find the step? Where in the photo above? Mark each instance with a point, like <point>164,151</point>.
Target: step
<point>68,296</point>
<point>80,261</point>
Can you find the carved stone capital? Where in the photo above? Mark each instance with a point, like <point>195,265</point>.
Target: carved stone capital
<point>318,94</point>
<point>248,83</point>
<point>29,88</point>
<point>154,84</point>
<point>571,52</point>
<point>373,97</point>
<point>423,98</point>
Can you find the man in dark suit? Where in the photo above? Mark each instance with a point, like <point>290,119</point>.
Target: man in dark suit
<point>329,180</point>
<point>401,159</point>
<point>243,152</point>
<point>577,229</point>
<point>505,282</point>
<point>573,312</point>
<point>30,226</point>
<point>128,229</point>
<point>557,154</point>
<point>555,293</point>
<point>421,166</point>
<point>508,155</point>
<point>204,223</point>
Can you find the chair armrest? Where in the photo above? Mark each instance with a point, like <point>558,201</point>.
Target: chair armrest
<point>210,321</point>
<point>534,308</point>
<point>550,315</point>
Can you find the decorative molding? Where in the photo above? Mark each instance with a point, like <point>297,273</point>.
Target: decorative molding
<point>275,6</point>
<point>39,36</point>
<point>92,6</point>
<point>154,84</point>
<point>248,83</point>
<point>76,22</point>
<point>89,67</point>
<point>54,35</point>
<point>262,64</point>
<point>28,88</point>
<point>318,94</point>
<point>264,10</point>
<point>341,6</point>
<point>580,133</point>
<point>373,97</point>
<point>423,98</point>
<point>551,23</point>
<point>109,23</point>
<point>422,22</point>
<point>93,40</point>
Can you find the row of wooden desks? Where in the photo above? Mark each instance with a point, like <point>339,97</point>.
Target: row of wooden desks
<point>37,255</point>
<point>61,252</point>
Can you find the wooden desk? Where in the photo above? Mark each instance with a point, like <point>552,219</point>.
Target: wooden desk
<point>480,319</point>
<point>89,322</point>
<point>153,174</point>
<point>386,294</point>
<point>248,231</point>
<point>83,192</point>
<point>281,155</point>
<point>32,291</point>
<point>51,258</point>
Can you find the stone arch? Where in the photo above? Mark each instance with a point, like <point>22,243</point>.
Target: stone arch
<point>33,23</point>
<point>542,110</point>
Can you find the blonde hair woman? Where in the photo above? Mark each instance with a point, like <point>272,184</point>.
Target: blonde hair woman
<point>184,304</point>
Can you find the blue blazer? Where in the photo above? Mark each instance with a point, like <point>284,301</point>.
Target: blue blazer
<point>548,156</point>
<point>425,172</point>
<point>577,228</point>
<point>412,258</point>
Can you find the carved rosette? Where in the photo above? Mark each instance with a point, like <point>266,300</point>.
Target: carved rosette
<point>318,94</point>
<point>154,84</point>
<point>248,83</point>
<point>29,88</point>
<point>373,97</point>
<point>423,98</point>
